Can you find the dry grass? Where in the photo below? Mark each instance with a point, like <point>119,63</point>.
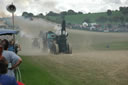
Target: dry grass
<point>106,67</point>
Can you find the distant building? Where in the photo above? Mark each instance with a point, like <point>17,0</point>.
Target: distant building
<point>84,24</point>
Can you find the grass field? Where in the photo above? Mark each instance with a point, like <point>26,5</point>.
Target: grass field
<point>32,74</point>
<point>91,63</point>
<point>90,68</point>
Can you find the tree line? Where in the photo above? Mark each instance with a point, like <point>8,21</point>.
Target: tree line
<point>121,17</point>
<point>51,13</point>
<point>101,19</point>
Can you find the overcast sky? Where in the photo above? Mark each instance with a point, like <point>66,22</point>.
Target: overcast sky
<point>44,6</point>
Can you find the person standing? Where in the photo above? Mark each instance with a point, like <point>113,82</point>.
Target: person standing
<point>4,79</point>
<point>13,60</point>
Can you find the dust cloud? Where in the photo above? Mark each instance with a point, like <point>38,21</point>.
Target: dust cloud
<point>29,30</point>
<point>2,14</point>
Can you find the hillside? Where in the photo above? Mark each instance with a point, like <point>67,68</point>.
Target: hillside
<point>101,22</point>
<point>79,18</point>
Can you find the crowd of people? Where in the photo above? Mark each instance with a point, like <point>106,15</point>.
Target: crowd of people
<point>9,61</point>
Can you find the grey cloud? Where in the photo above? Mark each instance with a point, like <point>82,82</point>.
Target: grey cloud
<point>43,6</point>
<point>113,1</point>
<point>49,4</point>
<point>21,1</point>
<point>126,2</point>
<point>2,11</point>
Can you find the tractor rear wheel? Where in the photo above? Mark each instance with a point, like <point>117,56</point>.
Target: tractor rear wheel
<point>56,48</point>
<point>69,48</point>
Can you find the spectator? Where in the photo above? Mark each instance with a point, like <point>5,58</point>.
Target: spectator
<point>15,47</point>
<point>13,60</point>
<point>4,79</point>
<point>11,46</point>
<point>1,50</point>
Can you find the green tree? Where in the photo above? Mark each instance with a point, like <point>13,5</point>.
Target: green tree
<point>124,10</point>
<point>63,13</point>
<point>71,12</point>
<point>109,12</point>
<point>80,12</point>
<point>40,15</point>
<point>25,14</point>
<point>51,13</point>
<point>30,14</point>
<point>121,9</point>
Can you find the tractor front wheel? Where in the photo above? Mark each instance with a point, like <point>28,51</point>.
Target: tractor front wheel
<point>54,49</point>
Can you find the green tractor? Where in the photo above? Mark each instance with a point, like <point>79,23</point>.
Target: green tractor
<point>57,43</point>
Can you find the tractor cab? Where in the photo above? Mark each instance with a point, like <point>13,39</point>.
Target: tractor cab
<point>51,35</point>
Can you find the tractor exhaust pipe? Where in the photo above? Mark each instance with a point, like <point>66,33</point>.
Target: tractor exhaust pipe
<point>63,25</point>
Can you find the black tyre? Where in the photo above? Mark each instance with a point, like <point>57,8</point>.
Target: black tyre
<point>54,49</point>
<point>69,48</point>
